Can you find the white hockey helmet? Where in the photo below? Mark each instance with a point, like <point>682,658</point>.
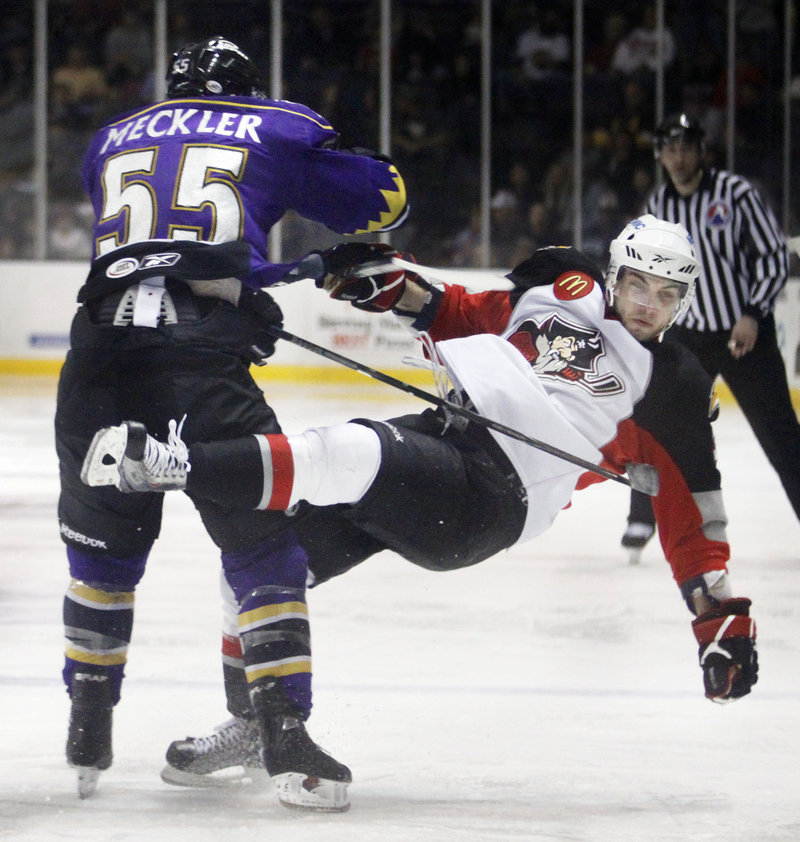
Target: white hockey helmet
<point>660,248</point>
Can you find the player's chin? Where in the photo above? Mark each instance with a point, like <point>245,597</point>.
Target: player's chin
<point>642,330</point>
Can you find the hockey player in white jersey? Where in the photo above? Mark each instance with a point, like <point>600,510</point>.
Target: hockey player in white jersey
<point>446,494</point>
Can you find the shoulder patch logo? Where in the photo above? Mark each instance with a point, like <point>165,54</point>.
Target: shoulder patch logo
<point>571,285</point>
<point>718,214</point>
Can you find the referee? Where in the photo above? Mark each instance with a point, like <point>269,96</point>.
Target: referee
<point>730,325</point>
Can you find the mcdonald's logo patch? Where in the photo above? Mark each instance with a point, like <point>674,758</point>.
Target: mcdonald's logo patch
<point>572,285</point>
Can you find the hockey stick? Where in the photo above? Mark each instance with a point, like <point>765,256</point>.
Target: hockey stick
<point>642,478</point>
<point>489,279</point>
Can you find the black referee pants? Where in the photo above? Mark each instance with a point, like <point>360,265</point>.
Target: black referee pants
<point>758,382</point>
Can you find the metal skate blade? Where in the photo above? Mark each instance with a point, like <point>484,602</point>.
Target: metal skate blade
<point>634,555</point>
<point>301,792</point>
<point>88,777</point>
<point>101,465</point>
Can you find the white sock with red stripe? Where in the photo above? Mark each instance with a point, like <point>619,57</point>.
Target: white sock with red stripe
<point>323,465</point>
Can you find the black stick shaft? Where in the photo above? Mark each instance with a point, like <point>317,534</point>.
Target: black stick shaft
<point>445,404</point>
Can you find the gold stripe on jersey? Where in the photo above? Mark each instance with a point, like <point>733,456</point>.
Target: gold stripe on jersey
<point>84,594</point>
<point>279,669</point>
<point>204,101</point>
<point>102,659</point>
<point>396,201</point>
<point>267,614</point>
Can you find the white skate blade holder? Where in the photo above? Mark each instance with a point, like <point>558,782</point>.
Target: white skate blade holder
<point>234,776</point>
<point>298,791</point>
<point>101,465</point>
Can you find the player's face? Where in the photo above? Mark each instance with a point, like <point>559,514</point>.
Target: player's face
<point>646,303</point>
<point>681,159</point>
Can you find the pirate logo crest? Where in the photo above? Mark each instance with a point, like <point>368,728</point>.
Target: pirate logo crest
<point>559,349</point>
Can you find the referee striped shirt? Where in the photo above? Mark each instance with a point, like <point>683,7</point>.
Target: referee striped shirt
<point>740,246</point>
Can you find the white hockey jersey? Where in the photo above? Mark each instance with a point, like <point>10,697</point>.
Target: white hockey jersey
<point>561,373</point>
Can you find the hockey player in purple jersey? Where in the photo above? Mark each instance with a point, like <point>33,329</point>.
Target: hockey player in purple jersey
<point>170,318</point>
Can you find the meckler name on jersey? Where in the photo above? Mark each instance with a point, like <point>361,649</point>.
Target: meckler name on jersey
<point>166,122</point>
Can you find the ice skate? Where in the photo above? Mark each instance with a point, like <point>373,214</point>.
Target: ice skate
<point>635,539</point>
<point>127,457</point>
<point>89,736</point>
<point>230,755</point>
<point>306,777</point>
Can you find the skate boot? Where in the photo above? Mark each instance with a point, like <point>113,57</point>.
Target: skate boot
<point>126,456</point>
<point>89,736</point>
<point>229,755</point>
<point>306,777</point>
<point>635,539</point>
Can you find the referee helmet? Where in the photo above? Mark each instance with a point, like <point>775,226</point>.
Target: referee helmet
<point>678,127</point>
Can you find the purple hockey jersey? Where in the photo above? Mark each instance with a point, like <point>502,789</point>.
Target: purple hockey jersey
<point>217,170</point>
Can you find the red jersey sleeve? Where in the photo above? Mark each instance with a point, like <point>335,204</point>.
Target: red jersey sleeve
<point>671,430</point>
<point>463,313</point>
<point>682,524</point>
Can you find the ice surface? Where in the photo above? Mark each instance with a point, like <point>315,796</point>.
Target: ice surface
<point>551,693</point>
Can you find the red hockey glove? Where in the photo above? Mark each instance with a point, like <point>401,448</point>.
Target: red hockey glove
<point>728,656</point>
<point>361,274</point>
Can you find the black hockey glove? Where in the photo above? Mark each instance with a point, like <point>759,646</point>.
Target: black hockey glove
<point>728,656</point>
<point>267,312</point>
<point>361,274</point>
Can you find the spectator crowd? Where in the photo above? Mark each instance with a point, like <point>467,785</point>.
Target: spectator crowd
<point>100,62</point>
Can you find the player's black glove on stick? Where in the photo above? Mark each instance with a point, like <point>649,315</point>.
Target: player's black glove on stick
<point>359,273</point>
<point>728,656</point>
<point>267,312</point>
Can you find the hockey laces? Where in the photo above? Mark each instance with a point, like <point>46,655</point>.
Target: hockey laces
<point>445,388</point>
<point>230,734</point>
<point>170,459</point>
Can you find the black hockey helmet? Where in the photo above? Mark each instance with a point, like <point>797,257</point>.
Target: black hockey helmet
<point>212,68</point>
<point>678,126</point>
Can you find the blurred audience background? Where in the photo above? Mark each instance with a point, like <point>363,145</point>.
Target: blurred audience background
<point>100,62</point>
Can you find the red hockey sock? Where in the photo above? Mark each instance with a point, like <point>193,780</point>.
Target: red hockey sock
<point>278,464</point>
